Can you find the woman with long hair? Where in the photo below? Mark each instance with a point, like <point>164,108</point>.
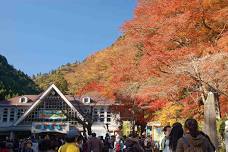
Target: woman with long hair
<point>193,140</point>
<point>175,134</point>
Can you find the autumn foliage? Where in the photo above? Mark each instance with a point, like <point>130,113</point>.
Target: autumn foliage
<point>171,52</point>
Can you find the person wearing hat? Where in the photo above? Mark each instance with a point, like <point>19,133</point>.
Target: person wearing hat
<point>70,142</point>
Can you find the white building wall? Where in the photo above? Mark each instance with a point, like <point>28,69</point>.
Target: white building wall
<point>4,123</point>
<point>100,128</point>
<point>14,115</point>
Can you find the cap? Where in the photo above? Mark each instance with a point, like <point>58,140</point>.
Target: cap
<point>72,133</point>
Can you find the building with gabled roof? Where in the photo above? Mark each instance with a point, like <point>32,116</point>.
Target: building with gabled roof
<point>51,111</point>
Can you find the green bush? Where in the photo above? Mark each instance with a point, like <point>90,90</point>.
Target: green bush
<point>222,128</point>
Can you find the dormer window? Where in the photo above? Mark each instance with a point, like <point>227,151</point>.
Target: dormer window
<point>23,100</point>
<point>86,100</point>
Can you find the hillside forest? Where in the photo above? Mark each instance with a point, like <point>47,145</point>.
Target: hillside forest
<point>170,55</point>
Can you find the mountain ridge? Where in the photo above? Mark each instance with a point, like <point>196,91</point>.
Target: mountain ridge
<point>14,82</point>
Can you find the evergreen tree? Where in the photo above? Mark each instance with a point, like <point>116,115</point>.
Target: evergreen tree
<point>14,82</point>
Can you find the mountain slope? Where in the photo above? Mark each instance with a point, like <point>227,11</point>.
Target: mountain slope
<point>171,53</point>
<point>14,82</point>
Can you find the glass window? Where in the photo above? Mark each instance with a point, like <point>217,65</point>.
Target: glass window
<point>23,99</point>
<point>86,111</point>
<point>86,100</point>
<point>102,115</point>
<point>12,111</point>
<point>95,115</point>
<point>108,116</point>
<point>19,113</point>
<point>5,115</point>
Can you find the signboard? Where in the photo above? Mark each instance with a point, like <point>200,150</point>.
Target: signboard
<point>126,128</point>
<point>52,115</point>
<point>158,134</point>
<point>39,127</point>
<point>148,131</point>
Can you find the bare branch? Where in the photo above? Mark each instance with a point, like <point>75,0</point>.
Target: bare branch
<point>224,27</point>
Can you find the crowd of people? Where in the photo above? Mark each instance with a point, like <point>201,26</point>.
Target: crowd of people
<point>187,139</point>
<point>177,139</point>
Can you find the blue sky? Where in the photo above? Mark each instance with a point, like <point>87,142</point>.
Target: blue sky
<point>40,35</point>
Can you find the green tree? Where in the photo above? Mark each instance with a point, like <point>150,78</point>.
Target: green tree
<point>14,82</point>
<point>55,77</point>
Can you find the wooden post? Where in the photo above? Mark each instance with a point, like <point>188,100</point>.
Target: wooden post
<point>210,118</point>
<point>226,135</point>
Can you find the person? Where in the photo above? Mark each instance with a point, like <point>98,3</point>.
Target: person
<point>175,134</point>
<point>15,145</point>
<point>27,146</point>
<point>102,139</point>
<point>94,144</point>
<point>193,140</point>
<point>148,144</point>
<point>165,141</point>
<point>70,145</point>
<point>141,140</point>
<point>113,140</point>
<point>117,146</point>
<point>84,145</point>
<point>46,145</point>
<point>3,147</point>
<point>205,135</point>
<point>107,143</point>
<point>79,142</point>
<point>132,144</point>
<point>121,142</point>
<point>56,143</point>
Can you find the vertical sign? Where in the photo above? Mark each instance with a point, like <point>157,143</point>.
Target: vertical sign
<point>226,135</point>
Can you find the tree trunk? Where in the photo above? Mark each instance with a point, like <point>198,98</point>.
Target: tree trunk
<point>133,127</point>
<point>89,129</point>
<point>210,118</point>
<point>84,131</point>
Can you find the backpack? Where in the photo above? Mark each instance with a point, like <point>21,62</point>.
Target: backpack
<point>130,149</point>
<point>118,147</point>
<point>191,147</point>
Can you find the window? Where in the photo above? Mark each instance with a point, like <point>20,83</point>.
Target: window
<point>23,100</point>
<point>19,112</point>
<point>95,115</point>
<point>86,100</point>
<point>102,115</point>
<point>5,115</point>
<point>86,111</point>
<point>12,114</point>
<point>108,116</point>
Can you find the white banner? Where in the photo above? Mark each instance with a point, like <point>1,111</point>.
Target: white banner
<point>39,127</point>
